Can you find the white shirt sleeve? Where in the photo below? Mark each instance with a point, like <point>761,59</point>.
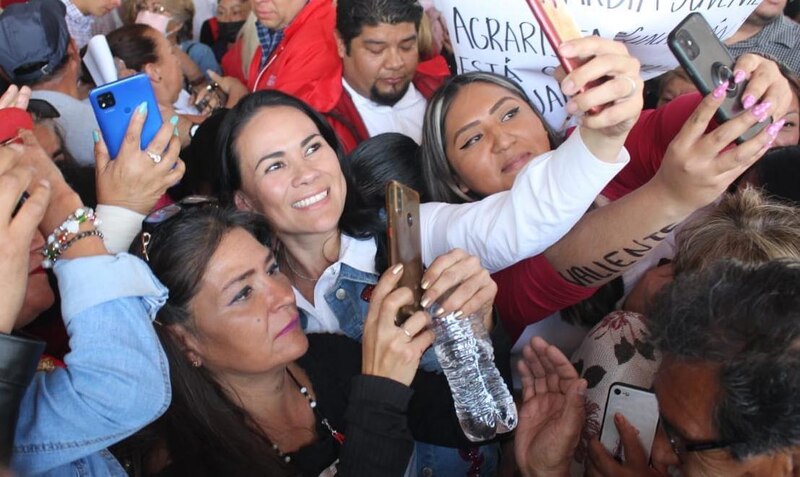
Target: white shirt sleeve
<point>119,226</point>
<point>547,199</point>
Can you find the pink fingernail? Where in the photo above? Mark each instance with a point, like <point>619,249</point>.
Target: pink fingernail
<point>720,90</point>
<point>775,127</point>
<point>739,76</point>
<point>748,101</point>
<point>762,108</point>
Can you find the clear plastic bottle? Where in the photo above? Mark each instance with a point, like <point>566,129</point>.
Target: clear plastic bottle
<point>482,402</point>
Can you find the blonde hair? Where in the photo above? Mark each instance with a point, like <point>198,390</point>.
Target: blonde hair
<point>249,36</point>
<point>744,226</point>
<point>425,38</point>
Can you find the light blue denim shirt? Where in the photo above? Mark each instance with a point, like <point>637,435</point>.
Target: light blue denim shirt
<point>116,380</point>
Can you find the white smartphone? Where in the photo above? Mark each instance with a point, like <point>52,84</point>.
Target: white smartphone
<point>639,407</point>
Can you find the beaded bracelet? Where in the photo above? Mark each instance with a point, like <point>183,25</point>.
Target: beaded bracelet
<point>61,235</point>
<point>49,261</point>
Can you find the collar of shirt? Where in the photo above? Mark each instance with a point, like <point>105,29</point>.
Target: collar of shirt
<point>409,100</point>
<point>269,40</point>
<point>358,254</point>
<point>404,117</point>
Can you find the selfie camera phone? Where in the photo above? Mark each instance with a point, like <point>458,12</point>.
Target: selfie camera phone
<point>559,27</point>
<point>639,407</point>
<point>114,104</point>
<point>403,233</point>
<point>709,64</point>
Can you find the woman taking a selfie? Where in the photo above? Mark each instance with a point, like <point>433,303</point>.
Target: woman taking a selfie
<point>477,121</point>
<point>252,393</point>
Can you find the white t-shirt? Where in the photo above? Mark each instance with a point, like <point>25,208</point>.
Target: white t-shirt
<point>405,117</point>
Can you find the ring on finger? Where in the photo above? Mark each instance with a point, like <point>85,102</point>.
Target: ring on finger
<point>633,84</point>
<point>154,156</point>
<point>407,333</point>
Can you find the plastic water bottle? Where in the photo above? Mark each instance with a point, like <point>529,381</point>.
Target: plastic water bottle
<point>483,405</point>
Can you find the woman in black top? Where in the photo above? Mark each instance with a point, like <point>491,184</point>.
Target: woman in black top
<point>252,395</point>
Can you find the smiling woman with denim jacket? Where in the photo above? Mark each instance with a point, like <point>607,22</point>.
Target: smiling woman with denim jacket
<point>116,378</point>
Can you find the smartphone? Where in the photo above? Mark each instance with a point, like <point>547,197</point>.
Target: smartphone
<point>559,27</point>
<point>114,103</point>
<point>402,230</point>
<point>640,408</point>
<point>708,63</point>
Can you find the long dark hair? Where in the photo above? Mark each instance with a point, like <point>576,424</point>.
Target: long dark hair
<point>205,431</point>
<point>440,177</point>
<point>356,220</point>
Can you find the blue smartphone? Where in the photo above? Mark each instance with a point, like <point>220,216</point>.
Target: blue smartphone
<point>114,103</point>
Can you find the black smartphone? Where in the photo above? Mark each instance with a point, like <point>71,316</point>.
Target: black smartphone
<point>402,230</point>
<point>114,104</point>
<point>709,64</point>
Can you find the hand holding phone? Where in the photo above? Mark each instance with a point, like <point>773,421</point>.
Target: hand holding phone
<point>709,64</point>
<point>640,409</point>
<point>559,27</point>
<point>113,105</point>
<point>403,234</point>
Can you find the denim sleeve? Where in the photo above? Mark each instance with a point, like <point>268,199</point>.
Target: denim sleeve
<point>117,378</point>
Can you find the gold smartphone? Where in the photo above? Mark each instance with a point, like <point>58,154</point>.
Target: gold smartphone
<point>402,231</point>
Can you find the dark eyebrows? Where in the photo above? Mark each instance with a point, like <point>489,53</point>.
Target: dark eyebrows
<point>492,110</point>
<point>373,41</point>
<point>267,259</point>
<point>277,154</point>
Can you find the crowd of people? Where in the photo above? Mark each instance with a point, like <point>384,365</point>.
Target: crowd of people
<point>220,300</point>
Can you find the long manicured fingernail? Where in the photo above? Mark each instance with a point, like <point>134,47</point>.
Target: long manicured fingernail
<point>720,90</point>
<point>761,109</point>
<point>425,284</point>
<point>142,109</point>
<point>174,120</point>
<point>425,302</point>
<point>458,314</point>
<point>175,132</point>
<point>568,87</point>
<point>439,311</point>
<point>95,136</point>
<point>774,128</point>
<point>397,269</point>
<point>572,107</point>
<point>748,101</point>
<point>739,76</point>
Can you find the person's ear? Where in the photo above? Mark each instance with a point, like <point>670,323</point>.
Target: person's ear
<point>153,72</point>
<point>187,343</point>
<point>340,46</point>
<point>242,202</point>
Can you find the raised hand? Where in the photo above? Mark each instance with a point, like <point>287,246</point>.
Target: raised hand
<point>389,350</point>
<point>552,412</point>
<point>16,233</point>
<point>137,178</point>
<point>699,166</point>
<point>15,97</point>
<point>469,287</point>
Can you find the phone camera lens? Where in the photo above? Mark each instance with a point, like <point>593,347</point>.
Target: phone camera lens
<point>106,100</point>
<point>617,392</point>
<point>410,220</point>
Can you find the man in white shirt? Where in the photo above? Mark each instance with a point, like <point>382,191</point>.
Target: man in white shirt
<point>81,15</point>
<point>384,85</point>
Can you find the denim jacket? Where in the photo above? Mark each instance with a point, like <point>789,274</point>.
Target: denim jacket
<point>116,380</point>
<point>346,298</point>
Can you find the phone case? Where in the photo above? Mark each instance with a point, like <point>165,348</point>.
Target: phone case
<point>402,212</point>
<point>708,63</point>
<point>128,93</point>
<point>639,407</point>
<point>558,27</point>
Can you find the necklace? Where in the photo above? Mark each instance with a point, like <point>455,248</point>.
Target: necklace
<point>296,273</point>
<point>337,436</point>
